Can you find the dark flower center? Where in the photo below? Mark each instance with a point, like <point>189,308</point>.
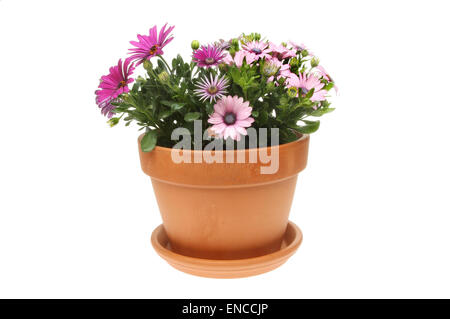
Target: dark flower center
<point>229,118</point>
<point>257,50</point>
<point>213,89</point>
<point>210,60</point>
<point>153,49</point>
<point>304,91</point>
<point>122,84</point>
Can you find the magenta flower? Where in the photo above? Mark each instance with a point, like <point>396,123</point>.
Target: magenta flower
<point>150,45</point>
<point>256,50</point>
<point>305,83</point>
<point>212,88</point>
<point>113,85</point>
<point>230,118</point>
<point>208,56</point>
<point>281,52</point>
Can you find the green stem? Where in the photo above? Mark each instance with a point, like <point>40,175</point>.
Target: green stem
<point>164,61</point>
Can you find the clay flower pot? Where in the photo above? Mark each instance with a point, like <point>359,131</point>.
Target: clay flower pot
<point>225,211</point>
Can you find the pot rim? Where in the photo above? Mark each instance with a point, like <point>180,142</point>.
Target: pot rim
<point>301,137</point>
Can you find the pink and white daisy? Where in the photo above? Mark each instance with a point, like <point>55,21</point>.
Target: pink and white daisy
<point>222,44</point>
<point>231,117</point>
<point>113,85</point>
<point>208,56</point>
<point>256,50</point>
<point>238,59</point>
<point>281,52</point>
<point>211,88</point>
<point>150,45</point>
<point>305,83</point>
<point>298,47</point>
<point>323,73</point>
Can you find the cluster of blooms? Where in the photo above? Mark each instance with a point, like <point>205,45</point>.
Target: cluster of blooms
<point>231,115</point>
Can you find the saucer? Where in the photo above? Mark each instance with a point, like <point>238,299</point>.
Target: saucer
<point>237,268</point>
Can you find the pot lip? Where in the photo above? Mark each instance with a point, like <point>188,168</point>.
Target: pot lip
<point>301,137</point>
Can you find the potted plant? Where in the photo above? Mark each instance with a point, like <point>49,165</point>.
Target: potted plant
<point>224,138</point>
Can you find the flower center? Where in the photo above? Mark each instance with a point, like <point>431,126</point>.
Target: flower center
<point>213,89</point>
<point>122,84</point>
<point>229,118</point>
<point>257,50</point>
<point>153,49</point>
<point>304,91</point>
<point>210,60</point>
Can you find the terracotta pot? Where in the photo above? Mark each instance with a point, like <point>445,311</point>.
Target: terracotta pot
<point>225,210</point>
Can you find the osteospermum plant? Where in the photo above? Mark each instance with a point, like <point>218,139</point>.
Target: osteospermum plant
<point>227,85</point>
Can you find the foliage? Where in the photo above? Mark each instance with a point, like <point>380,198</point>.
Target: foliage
<point>165,99</point>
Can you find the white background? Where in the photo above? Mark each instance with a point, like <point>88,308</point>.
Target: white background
<point>76,212</point>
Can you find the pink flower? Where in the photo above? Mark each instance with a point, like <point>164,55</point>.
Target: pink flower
<point>230,118</point>
<point>281,52</point>
<point>150,45</point>
<point>326,76</point>
<point>113,85</point>
<point>304,83</point>
<point>256,50</point>
<point>300,47</point>
<point>238,59</point>
<point>208,56</point>
<point>212,89</point>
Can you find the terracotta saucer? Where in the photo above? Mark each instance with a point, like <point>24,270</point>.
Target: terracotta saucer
<point>237,268</point>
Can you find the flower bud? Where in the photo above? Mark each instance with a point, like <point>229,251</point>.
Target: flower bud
<point>195,45</point>
<point>113,121</point>
<point>257,36</point>
<point>235,44</point>
<point>284,44</point>
<point>292,91</point>
<point>293,62</point>
<point>304,52</point>
<point>232,51</point>
<point>148,65</point>
<point>314,62</point>
<point>269,69</point>
<point>163,76</point>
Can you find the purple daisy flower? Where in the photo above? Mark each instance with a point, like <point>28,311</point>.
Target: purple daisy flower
<point>208,56</point>
<point>256,50</point>
<point>211,88</point>
<point>150,45</point>
<point>113,85</point>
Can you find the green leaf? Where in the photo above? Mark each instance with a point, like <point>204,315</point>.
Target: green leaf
<point>322,111</point>
<point>263,116</point>
<point>308,128</point>
<point>189,117</point>
<point>148,142</point>
<point>310,93</point>
<point>173,105</point>
<point>165,114</point>
<point>329,86</point>
<point>255,113</point>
